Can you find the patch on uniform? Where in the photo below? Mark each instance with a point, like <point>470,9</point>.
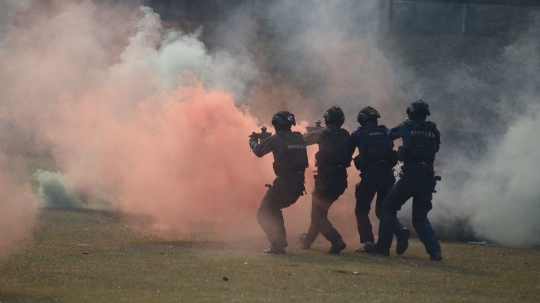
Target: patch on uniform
<point>376,134</point>
<point>422,133</point>
<point>296,147</point>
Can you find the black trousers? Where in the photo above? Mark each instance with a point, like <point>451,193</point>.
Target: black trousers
<point>284,192</point>
<point>420,188</point>
<point>327,190</point>
<point>372,183</point>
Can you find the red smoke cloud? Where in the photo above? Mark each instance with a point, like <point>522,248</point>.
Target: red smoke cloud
<point>173,147</point>
<point>180,159</point>
<point>141,117</point>
<point>18,208</point>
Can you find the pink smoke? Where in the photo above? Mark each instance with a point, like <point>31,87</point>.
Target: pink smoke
<point>18,208</point>
<point>142,117</point>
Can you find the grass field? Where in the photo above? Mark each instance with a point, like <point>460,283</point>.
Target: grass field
<point>119,263</point>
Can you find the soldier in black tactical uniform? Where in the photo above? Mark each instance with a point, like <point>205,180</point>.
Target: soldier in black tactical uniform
<point>421,140</point>
<point>290,162</point>
<point>332,161</point>
<point>375,160</point>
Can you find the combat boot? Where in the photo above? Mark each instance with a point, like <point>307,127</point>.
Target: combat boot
<point>276,250</point>
<point>402,237</point>
<point>436,257</point>
<point>304,242</point>
<point>337,246</point>
<point>372,248</point>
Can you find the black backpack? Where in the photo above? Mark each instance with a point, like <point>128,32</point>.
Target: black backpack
<point>376,144</point>
<point>423,141</point>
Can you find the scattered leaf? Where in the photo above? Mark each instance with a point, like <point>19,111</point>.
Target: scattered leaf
<point>225,279</point>
<point>86,253</point>
<point>356,273</point>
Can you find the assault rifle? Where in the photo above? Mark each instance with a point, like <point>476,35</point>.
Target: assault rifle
<point>317,126</point>
<point>260,136</point>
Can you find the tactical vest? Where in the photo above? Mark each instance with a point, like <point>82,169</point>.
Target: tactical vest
<point>295,159</point>
<point>333,149</point>
<point>422,141</point>
<point>376,144</point>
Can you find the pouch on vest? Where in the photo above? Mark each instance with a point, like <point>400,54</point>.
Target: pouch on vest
<point>295,158</point>
<point>336,149</point>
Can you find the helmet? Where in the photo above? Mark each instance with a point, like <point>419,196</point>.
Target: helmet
<point>283,117</point>
<point>334,115</point>
<point>418,108</point>
<point>367,113</point>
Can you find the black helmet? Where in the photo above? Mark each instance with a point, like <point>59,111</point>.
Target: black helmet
<point>283,118</point>
<point>334,115</point>
<point>367,113</point>
<point>418,108</point>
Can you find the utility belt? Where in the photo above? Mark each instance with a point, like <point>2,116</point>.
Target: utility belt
<point>381,165</point>
<point>290,172</point>
<point>338,170</point>
<point>418,168</point>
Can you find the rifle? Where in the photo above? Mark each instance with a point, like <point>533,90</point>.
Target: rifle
<point>317,126</point>
<point>260,136</point>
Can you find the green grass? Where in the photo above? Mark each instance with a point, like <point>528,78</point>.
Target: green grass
<point>129,264</point>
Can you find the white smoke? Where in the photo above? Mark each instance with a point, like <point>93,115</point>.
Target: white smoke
<point>56,192</point>
<point>507,210</point>
<point>490,104</point>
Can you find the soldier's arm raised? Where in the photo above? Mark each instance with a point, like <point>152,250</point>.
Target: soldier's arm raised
<point>313,137</point>
<point>396,132</point>
<point>263,148</point>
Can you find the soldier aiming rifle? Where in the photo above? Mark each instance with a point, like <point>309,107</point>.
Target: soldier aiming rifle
<point>260,136</point>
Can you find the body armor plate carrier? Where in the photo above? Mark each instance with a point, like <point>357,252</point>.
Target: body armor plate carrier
<point>295,160</point>
<point>333,149</point>
<point>376,143</point>
<point>422,142</point>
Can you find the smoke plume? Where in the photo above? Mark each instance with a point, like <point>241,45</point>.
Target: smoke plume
<point>155,119</point>
<point>150,125</point>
